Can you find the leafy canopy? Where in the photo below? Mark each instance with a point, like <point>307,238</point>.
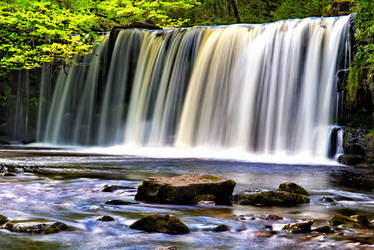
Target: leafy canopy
<point>34,32</point>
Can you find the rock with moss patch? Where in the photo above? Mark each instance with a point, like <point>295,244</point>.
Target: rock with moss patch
<point>302,227</point>
<point>38,226</point>
<point>354,221</point>
<point>221,228</point>
<point>292,188</point>
<point>185,189</point>
<point>346,221</point>
<point>270,198</point>
<point>349,159</point>
<point>161,223</point>
<point>3,219</point>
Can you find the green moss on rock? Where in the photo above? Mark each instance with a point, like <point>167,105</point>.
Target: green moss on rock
<point>293,188</point>
<point>271,198</point>
<point>346,221</point>
<point>38,226</point>
<point>161,223</point>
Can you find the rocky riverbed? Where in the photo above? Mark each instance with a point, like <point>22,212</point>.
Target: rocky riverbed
<point>92,199</point>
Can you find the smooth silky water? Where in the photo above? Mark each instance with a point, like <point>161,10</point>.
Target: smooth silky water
<point>215,100</point>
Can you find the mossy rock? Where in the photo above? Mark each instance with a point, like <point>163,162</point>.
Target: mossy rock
<point>186,189</point>
<point>292,188</point>
<point>302,227</point>
<point>168,224</point>
<point>271,198</point>
<point>346,221</point>
<point>349,159</point>
<point>38,226</point>
<point>3,219</point>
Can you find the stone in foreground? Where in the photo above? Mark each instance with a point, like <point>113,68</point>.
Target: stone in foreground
<point>38,226</point>
<point>270,198</point>
<point>156,223</point>
<point>302,227</point>
<point>292,188</point>
<point>185,189</point>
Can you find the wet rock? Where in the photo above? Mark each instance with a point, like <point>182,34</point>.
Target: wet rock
<point>324,229</point>
<point>221,228</point>
<point>38,226</point>
<point>292,188</point>
<point>3,219</point>
<point>105,218</point>
<point>161,223</point>
<point>273,217</point>
<point>185,189</point>
<point>167,248</point>
<point>361,219</point>
<point>348,159</point>
<point>8,174</point>
<point>271,198</point>
<point>119,202</point>
<point>327,199</point>
<point>346,221</point>
<point>111,188</point>
<point>302,227</point>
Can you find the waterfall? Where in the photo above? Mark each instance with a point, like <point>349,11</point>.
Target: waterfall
<point>267,89</point>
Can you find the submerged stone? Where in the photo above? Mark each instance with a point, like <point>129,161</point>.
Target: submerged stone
<point>292,188</point>
<point>8,174</point>
<point>185,189</point>
<point>271,198</point>
<point>38,226</point>
<point>324,229</point>
<point>302,227</point>
<point>112,188</point>
<point>273,217</point>
<point>221,228</point>
<point>161,223</point>
<point>105,218</point>
<point>119,202</point>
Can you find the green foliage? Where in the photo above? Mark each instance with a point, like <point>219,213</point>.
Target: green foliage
<point>301,9</point>
<point>362,67</point>
<point>34,32</point>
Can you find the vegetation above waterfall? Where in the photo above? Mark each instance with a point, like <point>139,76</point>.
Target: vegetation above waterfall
<point>33,32</point>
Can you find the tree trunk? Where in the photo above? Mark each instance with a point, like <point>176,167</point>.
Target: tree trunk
<point>234,4</point>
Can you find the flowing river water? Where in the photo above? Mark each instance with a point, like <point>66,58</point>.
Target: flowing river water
<point>66,185</point>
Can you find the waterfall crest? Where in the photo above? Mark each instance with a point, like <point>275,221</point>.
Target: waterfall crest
<point>266,89</point>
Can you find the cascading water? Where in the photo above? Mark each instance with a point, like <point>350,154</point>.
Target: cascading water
<point>266,89</point>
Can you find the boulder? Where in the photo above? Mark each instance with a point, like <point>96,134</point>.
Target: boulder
<point>161,223</point>
<point>185,189</point>
<point>302,227</point>
<point>39,226</point>
<point>355,221</point>
<point>270,198</point>
<point>292,188</point>
<point>348,159</point>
